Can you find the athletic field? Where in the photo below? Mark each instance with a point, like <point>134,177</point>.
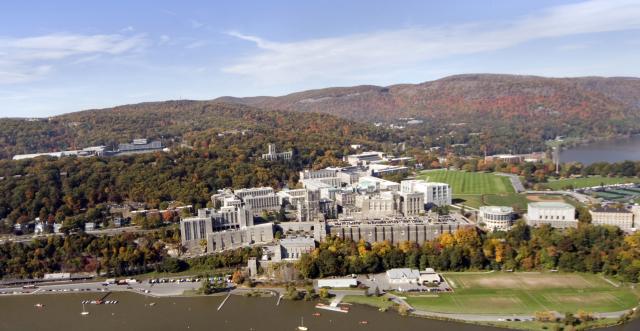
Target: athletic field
<point>463,182</point>
<point>526,293</point>
<point>590,182</point>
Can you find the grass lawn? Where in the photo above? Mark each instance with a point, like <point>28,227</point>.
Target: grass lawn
<point>535,325</point>
<point>519,201</point>
<point>379,302</point>
<point>590,182</point>
<point>463,182</point>
<point>526,293</point>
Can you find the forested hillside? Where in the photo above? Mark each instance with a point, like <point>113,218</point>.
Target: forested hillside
<point>492,107</point>
<point>216,154</point>
<point>170,120</point>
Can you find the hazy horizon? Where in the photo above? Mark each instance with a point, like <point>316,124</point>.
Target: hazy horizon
<point>70,56</point>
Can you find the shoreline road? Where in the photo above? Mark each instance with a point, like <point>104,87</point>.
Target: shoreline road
<point>515,181</point>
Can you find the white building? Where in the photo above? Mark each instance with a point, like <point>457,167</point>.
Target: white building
<point>621,218</point>
<point>385,169</point>
<point>375,184</point>
<point>376,206</point>
<point>365,158</point>
<point>403,276</point>
<point>261,203</point>
<point>556,214</point>
<point>273,155</point>
<point>254,192</point>
<point>438,194</point>
<point>337,282</point>
<point>496,218</point>
<point>412,204</point>
<point>429,276</point>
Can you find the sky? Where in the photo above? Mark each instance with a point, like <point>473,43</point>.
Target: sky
<point>63,56</point>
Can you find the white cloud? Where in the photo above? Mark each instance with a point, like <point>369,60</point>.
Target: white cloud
<point>196,44</point>
<point>196,24</point>
<point>164,39</point>
<point>30,58</point>
<point>358,55</point>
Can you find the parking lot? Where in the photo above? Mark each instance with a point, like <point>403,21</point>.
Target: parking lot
<point>155,287</point>
<point>382,283</point>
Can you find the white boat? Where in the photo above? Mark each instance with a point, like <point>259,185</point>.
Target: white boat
<point>84,311</point>
<point>302,327</point>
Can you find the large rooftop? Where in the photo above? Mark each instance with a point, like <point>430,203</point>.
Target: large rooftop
<point>551,204</point>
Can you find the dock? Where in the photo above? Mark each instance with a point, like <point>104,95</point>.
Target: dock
<point>224,301</point>
<point>279,299</point>
<point>333,306</point>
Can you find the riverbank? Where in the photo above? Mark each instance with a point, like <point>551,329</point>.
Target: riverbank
<point>500,306</point>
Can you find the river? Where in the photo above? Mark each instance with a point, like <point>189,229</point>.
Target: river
<point>133,312</point>
<point>614,150</point>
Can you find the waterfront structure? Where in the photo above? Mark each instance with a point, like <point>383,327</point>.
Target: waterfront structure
<point>408,276</point>
<point>403,276</point>
<point>496,218</point>
<point>557,214</point>
<point>429,276</point>
<point>621,218</point>
<point>337,283</point>
<point>438,194</point>
<point>273,155</point>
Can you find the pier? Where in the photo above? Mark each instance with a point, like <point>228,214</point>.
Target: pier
<point>223,301</point>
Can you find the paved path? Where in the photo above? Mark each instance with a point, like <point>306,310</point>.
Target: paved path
<point>515,181</point>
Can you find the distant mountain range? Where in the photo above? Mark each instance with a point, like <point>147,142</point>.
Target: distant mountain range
<point>497,113</point>
<point>465,97</point>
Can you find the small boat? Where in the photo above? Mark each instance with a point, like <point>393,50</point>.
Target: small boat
<point>316,314</point>
<point>152,304</point>
<point>84,311</point>
<point>38,305</point>
<point>364,322</point>
<point>302,327</point>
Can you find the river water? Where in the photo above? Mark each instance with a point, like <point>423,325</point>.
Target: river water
<point>133,312</point>
<point>615,150</point>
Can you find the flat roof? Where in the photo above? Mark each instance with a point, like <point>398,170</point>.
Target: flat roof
<point>551,204</point>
